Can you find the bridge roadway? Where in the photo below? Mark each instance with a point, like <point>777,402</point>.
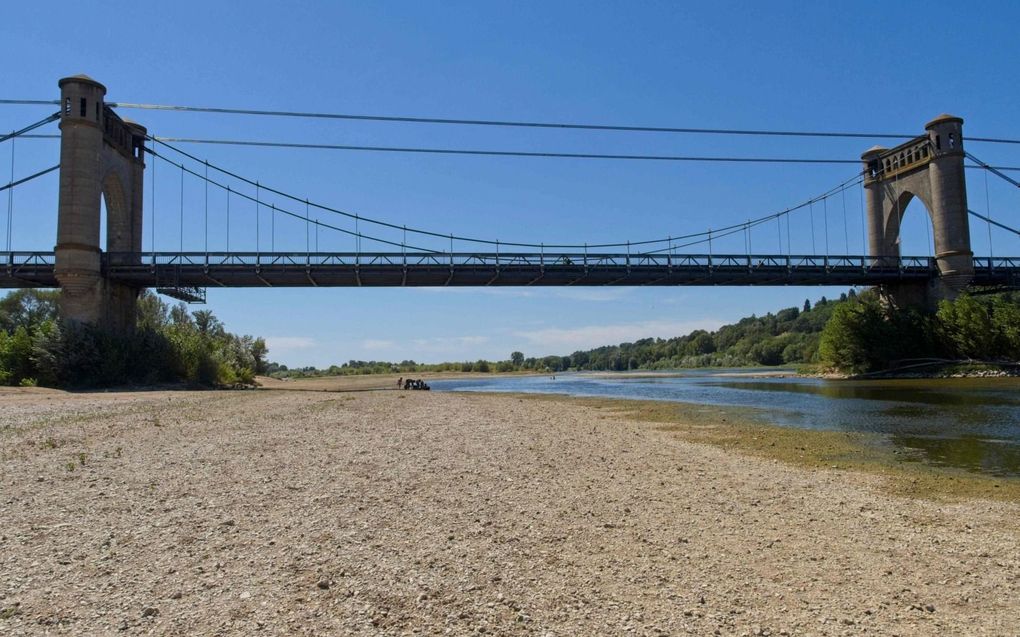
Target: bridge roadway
<point>417,269</point>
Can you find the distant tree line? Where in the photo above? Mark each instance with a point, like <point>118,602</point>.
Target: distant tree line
<point>790,336</point>
<point>855,334</point>
<point>170,344</point>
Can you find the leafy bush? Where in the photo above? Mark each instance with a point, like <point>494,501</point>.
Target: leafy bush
<point>169,344</point>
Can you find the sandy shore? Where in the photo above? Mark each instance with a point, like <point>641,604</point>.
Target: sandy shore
<point>426,513</point>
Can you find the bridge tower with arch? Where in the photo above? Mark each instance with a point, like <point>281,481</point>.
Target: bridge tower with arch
<point>101,158</point>
<point>929,167</point>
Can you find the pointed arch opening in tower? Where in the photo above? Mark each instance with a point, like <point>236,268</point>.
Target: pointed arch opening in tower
<point>916,233</point>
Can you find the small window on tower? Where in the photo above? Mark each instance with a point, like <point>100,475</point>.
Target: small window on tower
<point>97,112</point>
<point>84,111</point>
<point>67,106</point>
<point>952,141</point>
<point>938,142</point>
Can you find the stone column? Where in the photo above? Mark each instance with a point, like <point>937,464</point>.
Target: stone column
<point>874,197</point>
<point>78,268</point>
<point>949,203</point>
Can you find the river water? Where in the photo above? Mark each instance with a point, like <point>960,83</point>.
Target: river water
<point>971,423</point>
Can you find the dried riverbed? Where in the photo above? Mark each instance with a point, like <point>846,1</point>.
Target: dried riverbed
<point>391,513</point>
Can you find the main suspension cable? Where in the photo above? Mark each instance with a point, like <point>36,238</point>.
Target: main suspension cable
<point>506,153</point>
<point>434,234</point>
<point>18,133</point>
<point>511,153</point>
<point>993,222</point>
<point>993,169</point>
<point>29,178</point>
<point>230,191</point>
<point>507,123</point>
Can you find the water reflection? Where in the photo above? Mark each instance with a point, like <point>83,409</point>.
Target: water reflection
<point>996,457</point>
<point>971,423</point>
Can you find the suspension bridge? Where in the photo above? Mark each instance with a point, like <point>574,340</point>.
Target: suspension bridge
<point>103,159</point>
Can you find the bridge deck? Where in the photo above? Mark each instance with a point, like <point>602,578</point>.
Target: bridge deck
<point>418,269</point>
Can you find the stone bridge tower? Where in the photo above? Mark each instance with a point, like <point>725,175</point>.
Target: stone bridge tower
<point>929,167</point>
<point>101,156</point>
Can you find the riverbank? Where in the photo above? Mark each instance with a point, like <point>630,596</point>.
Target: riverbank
<point>386,512</point>
<point>747,431</point>
<point>370,382</point>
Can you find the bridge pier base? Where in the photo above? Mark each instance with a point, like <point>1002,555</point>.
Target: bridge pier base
<point>918,295</point>
<point>89,298</point>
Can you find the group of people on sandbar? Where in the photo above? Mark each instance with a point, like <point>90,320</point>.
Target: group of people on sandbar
<point>412,383</point>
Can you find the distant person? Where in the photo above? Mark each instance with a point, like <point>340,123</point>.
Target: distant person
<point>400,382</point>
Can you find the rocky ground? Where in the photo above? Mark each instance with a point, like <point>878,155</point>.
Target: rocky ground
<point>424,513</point>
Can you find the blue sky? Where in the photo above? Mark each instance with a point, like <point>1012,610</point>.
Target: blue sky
<point>797,66</point>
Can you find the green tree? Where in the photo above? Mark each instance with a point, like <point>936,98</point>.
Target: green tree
<point>27,308</point>
<point>851,336</point>
<point>1006,321</point>
<point>517,358</point>
<point>208,324</point>
<point>968,328</point>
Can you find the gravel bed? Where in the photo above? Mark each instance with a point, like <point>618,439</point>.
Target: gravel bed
<point>426,513</point>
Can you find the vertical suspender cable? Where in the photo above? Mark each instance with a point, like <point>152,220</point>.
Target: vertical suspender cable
<point>864,224</point>
<point>779,233</point>
<point>789,249</point>
<point>10,202</point>
<point>182,207</point>
<point>152,213</point>
<point>272,228</point>
<point>825,211</point>
<point>258,210</point>
<point>987,211</point>
<point>846,232</point>
<point>811,207</point>
<point>228,218</point>
<point>899,221</point>
<point>307,242</point>
<point>207,206</point>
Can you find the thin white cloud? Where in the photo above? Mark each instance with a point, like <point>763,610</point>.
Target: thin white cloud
<point>591,294</point>
<point>279,344</point>
<point>447,343</point>
<point>594,294</point>
<point>377,344</point>
<point>565,340</point>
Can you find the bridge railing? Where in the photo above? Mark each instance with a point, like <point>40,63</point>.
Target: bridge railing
<point>585,260</point>
<point>996,263</point>
<point>27,258</point>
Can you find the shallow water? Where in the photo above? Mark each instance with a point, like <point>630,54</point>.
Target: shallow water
<point>972,423</point>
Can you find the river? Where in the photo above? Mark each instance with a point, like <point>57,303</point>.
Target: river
<point>971,423</point>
